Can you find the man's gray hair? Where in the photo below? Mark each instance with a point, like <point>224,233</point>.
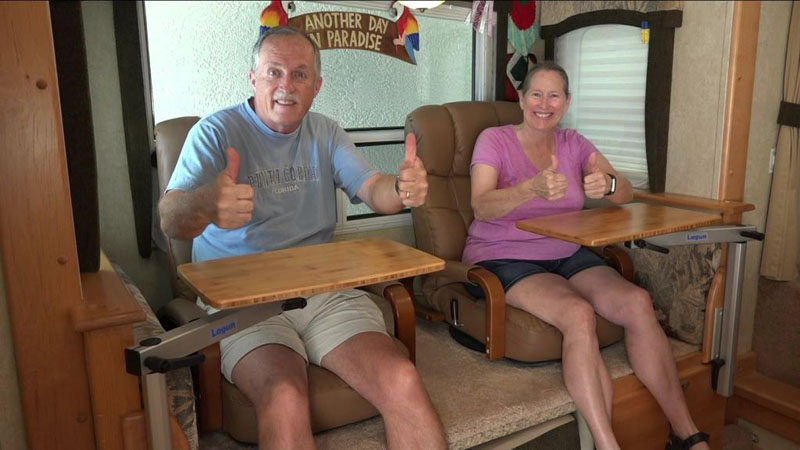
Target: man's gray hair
<point>285,30</point>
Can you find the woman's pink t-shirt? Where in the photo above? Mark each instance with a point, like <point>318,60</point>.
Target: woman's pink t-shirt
<point>500,238</point>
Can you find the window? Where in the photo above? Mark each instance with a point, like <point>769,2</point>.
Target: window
<point>607,68</point>
<point>199,55</point>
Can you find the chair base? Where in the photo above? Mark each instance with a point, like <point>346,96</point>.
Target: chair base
<point>473,344</point>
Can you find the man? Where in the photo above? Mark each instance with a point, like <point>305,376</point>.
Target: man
<point>262,175</point>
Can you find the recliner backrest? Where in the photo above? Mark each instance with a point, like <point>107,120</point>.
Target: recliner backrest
<point>446,136</point>
<point>170,135</point>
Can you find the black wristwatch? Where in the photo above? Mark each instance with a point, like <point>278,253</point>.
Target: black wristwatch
<point>613,187</point>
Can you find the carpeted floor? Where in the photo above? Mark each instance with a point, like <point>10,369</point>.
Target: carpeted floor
<point>562,438</point>
<point>454,376</point>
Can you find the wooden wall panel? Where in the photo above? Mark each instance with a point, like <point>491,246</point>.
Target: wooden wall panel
<point>37,237</point>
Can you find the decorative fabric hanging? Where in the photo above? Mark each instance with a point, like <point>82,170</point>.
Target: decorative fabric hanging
<point>481,16</point>
<point>522,32</point>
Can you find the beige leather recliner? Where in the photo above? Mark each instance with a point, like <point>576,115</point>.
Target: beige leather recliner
<point>446,135</point>
<point>220,404</point>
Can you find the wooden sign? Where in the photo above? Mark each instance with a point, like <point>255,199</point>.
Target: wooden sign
<point>345,29</point>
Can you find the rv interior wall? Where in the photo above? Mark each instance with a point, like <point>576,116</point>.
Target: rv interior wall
<point>702,48</point>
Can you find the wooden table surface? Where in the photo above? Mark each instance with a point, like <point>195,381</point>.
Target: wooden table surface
<point>304,271</point>
<point>609,225</point>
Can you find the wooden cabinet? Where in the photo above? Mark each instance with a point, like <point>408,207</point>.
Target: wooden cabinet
<point>638,421</point>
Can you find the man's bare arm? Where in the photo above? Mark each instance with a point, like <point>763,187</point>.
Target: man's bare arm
<point>185,214</point>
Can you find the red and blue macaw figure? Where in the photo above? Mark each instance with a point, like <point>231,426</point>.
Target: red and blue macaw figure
<point>408,33</point>
<point>272,16</point>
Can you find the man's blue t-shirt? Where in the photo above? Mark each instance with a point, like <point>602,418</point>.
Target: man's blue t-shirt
<point>294,177</point>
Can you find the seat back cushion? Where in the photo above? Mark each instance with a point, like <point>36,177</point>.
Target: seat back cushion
<point>678,283</point>
<point>170,135</point>
<point>446,135</point>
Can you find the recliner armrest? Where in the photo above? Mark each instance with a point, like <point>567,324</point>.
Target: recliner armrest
<point>454,272</point>
<point>458,271</point>
<point>402,309</point>
<point>620,260</point>
<point>495,310</point>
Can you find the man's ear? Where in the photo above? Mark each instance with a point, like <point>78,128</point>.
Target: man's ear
<point>253,80</point>
<point>317,85</point>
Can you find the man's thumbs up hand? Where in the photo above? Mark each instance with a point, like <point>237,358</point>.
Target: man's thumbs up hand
<point>233,202</point>
<point>412,178</point>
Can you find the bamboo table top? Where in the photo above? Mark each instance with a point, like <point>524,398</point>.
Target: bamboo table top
<point>304,271</point>
<point>609,225</point>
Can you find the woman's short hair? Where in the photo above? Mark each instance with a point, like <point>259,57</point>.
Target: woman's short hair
<point>284,30</point>
<point>546,66</point>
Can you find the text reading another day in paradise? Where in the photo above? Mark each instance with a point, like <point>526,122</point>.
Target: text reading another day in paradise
<point>345,29</point>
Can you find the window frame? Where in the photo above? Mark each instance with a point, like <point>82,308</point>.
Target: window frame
<point>483,70</point>
<point>658,88</point>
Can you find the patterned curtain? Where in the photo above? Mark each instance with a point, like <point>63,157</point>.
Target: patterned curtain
<point>553,12</point>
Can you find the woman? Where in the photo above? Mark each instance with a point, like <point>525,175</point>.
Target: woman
<point>536,169</point>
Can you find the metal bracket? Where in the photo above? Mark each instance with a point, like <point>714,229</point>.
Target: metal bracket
<point>726,320</point>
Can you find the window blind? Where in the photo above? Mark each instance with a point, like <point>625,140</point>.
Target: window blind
<point>607,66</point>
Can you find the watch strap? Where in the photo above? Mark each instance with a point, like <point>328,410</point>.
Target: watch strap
<point>613,188</point>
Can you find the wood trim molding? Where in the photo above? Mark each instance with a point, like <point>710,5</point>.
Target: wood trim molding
<point>656,20</point>
<point>739,101</point>
<point>106,320</point>
<point>40,261</point>
<point>495,311</point>
<point>108,303</point>
<point>692,202</point>
<point>404,317</point>
<point>715,299</point>
<point>764,401</point>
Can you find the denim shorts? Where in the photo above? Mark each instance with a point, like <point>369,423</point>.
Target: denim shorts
<point>509,271</point>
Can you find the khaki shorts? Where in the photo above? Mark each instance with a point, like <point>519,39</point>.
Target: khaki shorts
<point>327,320</point>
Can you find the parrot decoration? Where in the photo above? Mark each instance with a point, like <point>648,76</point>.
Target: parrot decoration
<point>272,16</point>
<point>408,33</point>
